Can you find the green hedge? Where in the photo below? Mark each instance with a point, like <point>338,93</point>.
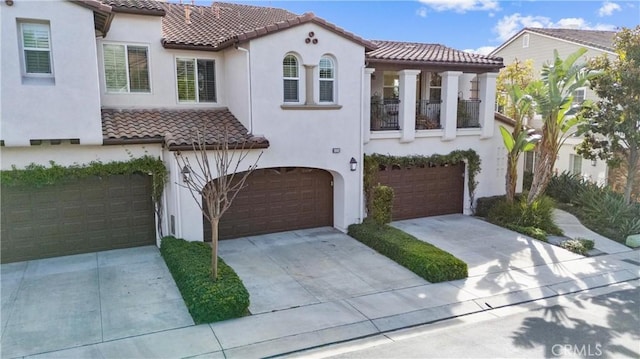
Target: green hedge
<point>382,207</point>
<point>424,259</point>
<point>207,301</point>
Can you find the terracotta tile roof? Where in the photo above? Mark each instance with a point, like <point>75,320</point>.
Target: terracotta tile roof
<point>144,7</point>
<point>428,54</point>
<point>602,40</point>
<point>222,24</point>
<point>175,127</point>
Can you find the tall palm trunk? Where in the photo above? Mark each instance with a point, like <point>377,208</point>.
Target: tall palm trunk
<point>511,176</point>
<point>543,171</point>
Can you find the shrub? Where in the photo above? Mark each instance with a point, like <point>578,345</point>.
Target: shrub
<point>532,232</point>
<point>538,215</point>
<point>527,179</point>
<point>579,245</point>
<point>484,204</point>
<point>207,300</point>
<point>566,187</point>
<point>607,213</point>
<point>424,259</point>
<point>382,204</point>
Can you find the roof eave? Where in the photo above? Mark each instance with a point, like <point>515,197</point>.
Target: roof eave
<point>132,141</point>
<point>138,11</point>
<point>178,46</point>
<point>232,146</point>
<point>421,63</point>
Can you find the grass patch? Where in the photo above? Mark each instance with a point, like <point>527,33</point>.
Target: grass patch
<point>423,259</point>
<point>207,300</point>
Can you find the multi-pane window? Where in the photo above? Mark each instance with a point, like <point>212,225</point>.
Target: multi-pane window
<point>576,164</point>
<point>327,79</point>
<point>36,47</point>
<point>579,96</point>
<point>390,85</point>
<point>126,68</point>
<point>435,87</point>
<point>196,80</point>
<point>291,79</point>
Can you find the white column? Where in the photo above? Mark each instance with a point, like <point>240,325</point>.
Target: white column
<point>407,110</point>
<point>366,105</point>
<point>449,107</point>
<point>487,94</point>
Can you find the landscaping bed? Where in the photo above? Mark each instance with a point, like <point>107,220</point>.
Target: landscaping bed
<point>207,300</point>
<point>424,259</point>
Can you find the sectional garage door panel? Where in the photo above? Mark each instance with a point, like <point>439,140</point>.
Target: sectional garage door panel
<point>276,200</point>
<point>86,215</point>
<point>425,191</point>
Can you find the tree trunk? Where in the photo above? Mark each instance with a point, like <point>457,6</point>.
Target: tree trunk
<point>511,177</point>
<point>632,168</point>
<point>542,173</point>
<point>214,248</point>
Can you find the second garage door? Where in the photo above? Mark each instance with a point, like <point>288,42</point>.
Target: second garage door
<point>276,200</point>
<point>425,191</point>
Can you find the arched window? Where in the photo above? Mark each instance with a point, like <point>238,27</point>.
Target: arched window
<point>327,79</point>
<point>291,78</point>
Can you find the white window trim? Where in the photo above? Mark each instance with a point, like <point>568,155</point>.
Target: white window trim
<point>22,49</point>
<point>525,41</point>
<point>195,60</point>
<point>333,80</point>
<point>299,79</point>
<point>126,56</point>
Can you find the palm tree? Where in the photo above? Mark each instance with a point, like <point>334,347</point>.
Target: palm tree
<point>553,96</point>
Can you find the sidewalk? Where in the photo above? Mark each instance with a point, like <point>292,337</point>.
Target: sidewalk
<point>572,228</point>
<point>295,329</point>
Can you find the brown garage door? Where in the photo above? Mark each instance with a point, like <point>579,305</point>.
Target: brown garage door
<point>87,215</point>
<point>276,200</point>
<point>425,191</point>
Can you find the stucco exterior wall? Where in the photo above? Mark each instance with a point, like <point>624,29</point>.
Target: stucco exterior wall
<point>65,107</point>
<point>596,174</point>
<point>298,137</point>
<point>147,31</point>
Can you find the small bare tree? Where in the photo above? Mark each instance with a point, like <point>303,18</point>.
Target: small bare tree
<point>215,184</point>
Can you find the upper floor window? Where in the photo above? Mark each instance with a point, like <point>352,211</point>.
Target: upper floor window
<point>36,49</point>
<point>196,79</point>
<point>579,96</point>
<point>327,79</point>
<point>390,85</point>
<point>435,87</point>
<point>291,78</point>
<point>525,41</point>
<point>126,68</point>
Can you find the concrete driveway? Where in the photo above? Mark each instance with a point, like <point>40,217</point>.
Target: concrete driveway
<point>56,303</point>
<point>298,268</point>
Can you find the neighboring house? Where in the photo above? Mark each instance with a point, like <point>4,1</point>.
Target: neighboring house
<point>538,45</point>
<point>109,80</point>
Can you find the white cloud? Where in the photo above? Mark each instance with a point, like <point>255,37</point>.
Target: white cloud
<point>509,25</point>
<point>482,50</point>
<point>422,12</point>
<point>462,6</point>
<point>608,8</point>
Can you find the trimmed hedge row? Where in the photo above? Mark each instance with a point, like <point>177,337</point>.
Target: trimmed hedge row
<point>207,300</point>
<point>424,259</point>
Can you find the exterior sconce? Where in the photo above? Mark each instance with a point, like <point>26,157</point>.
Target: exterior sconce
<point>186,174</point>
<point>593,162</point>
<point>353,164</point>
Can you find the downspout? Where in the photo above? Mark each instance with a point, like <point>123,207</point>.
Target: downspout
<point>250,102</point>
<point>361,143</point>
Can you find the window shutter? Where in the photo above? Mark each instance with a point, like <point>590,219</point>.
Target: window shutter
<point>115,68</point>
<point>185,75</point>
<point>138,69</point>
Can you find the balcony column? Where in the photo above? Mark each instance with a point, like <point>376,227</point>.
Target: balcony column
<point>487,94</point>
<point>449,107</point>
<point>366,104</point>
<point>407,107</point>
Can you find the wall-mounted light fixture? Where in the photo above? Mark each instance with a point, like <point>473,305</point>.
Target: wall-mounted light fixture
<point>593,162</point>
<point>186,174</point>
<point>353,164</point>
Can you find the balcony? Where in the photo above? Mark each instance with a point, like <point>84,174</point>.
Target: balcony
<point>428,115</point>
<point>384,114</point>
<point>468,114</point>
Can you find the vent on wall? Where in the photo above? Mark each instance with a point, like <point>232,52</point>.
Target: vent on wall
<point>55,141</point>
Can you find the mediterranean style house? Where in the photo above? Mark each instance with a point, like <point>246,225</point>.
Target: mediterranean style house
<point>111,80</point>
<point>538,44</point>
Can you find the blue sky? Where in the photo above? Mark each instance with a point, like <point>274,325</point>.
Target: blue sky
<point>478,25</point>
